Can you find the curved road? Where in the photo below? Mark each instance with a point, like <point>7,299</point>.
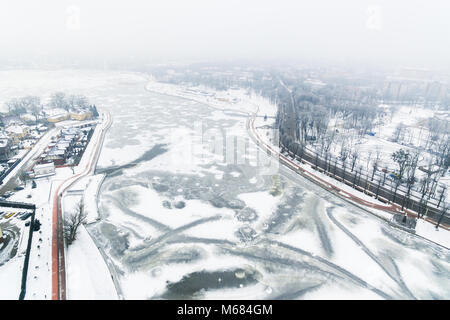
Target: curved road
<point>58,258</point>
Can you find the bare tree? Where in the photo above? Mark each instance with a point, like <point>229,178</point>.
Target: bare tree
<point>425,183</point>
<point>401,157</point>
<point>399,132</point>
<point>16,106</point>
<point>444,211</point>
<point>77,101</point>
<point>71,100</point>
<point>58,100</point>
<point>375,162</point>
<point>355,156</point>
<point>442,194</point>
<point>73,221</point>
<point>344,156</point>
<point>81,101</point>
<point>11,104</point>
<point>410,176</point>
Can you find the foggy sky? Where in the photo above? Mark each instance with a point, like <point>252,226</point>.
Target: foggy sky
<point>400,32</point>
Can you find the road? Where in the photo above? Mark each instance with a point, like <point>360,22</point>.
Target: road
<point>58,249</point>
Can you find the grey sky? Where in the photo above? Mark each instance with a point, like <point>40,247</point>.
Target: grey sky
<point>399,32</point>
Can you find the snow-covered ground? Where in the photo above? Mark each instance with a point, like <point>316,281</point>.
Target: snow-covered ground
<point>88,276</point>
<point>414,137</point>
<point>181,218</point>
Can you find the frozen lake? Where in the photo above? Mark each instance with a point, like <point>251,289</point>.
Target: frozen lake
<point>180,220</point>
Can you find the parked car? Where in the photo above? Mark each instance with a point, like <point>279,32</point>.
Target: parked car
<point>26,216</point>
<point>9,215</point>
<point>8,194</point>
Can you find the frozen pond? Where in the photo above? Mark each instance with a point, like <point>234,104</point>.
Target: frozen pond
<point>180,220</point>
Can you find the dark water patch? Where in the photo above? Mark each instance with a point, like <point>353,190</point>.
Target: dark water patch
<point>118,242</point>
<point>321,229</point>
<point>115,173</point>
<point>179,204</point>
<point>285,211</point>
<point>160,187</point>
<point>193,285</point>
<point>218,201</point>
<point>236,204</point>
<point>147,156</point>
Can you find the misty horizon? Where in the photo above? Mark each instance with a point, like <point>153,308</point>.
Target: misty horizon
<point>403,33</point>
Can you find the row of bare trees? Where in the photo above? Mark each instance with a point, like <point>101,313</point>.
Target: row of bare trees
<point>67,102</point>
<point>32,104</point>
<point>18,106</point>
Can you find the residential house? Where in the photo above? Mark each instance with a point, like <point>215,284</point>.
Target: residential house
<point>17,132</point>
<point>44,170</point>
<point>80,114</point>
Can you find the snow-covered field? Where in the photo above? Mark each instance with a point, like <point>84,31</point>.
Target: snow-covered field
<point>182,218</point>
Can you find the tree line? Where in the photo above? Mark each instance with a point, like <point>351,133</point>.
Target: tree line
<point>32,104</point>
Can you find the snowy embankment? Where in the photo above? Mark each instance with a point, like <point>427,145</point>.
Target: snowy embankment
<point>88,188</point>
<point>238,100</point>
<point>89,278</point>
<point>90,197</point>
